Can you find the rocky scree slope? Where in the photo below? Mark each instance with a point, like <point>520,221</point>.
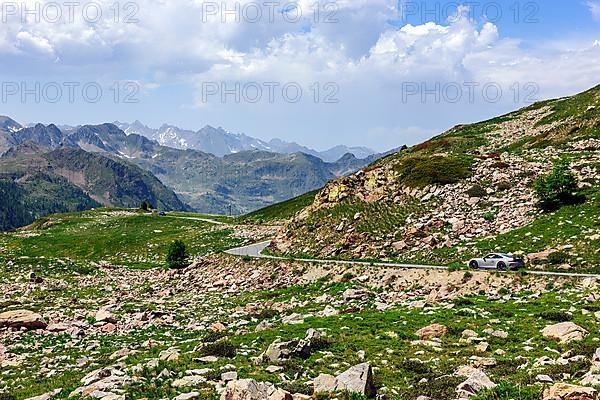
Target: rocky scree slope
<point>464,192</point>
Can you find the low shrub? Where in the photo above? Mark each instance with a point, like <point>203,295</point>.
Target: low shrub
<point>557,316</point>
<point>347,277</point>
<point>266,313</point>
<point>501,165</point>
<point>223,348</point>
<point>463,301</point>
<point>177,256</point>
<point>556,188</point>
<point>212,337</point>
<point>509,391</point>
<point>297,387</point>
<point>558,257</point>
<point>318,344</point>
<point>503,186</point>
<point>415,367</point>
<point>575,370</point>
<point>423,171</point>
<point>489,216</point>
<point>436,388</point>
<point>456,266</point>
<point>476,191</point>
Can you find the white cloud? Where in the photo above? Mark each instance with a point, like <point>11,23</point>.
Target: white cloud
<point>367,57</point>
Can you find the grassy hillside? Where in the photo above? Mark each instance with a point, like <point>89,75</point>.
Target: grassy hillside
<point>280,211</point>
<point>120,237</point>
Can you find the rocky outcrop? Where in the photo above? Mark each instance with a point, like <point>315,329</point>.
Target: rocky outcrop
<point>497,198</point>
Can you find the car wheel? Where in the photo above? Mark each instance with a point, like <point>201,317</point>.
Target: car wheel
<point>501,266</point>
<point>474,265</point>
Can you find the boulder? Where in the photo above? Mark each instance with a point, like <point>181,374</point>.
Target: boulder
<point>187,396</point>
<point>563,391</point>
<point>281,351</point>
<point>188,381</point>
<point>565,332</point>
<point>170,354</point>
<point>324,383</point>
<point>103,315</point>
<point>292,319</point>
<point>46,396</point>
<point>432,331</point>
<point>358,379</point>
<point>229,376</point>
<point>22,319</point>
<point>355,294</point>
<point>249,389</point>
<point>474,384</point>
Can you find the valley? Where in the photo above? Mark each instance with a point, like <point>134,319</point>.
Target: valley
<point>193,180</point>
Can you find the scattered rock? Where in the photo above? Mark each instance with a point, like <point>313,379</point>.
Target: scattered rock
<point>358,379</point>
<point>22,319</point>
<point>171,354</point>
<point>563,391</point>
<point>229,376</point>
<point>476,382</point>
<point>249,389</point>
<point>187,396</point>
<point>293,319</point>
<point>565,332</point>
<point>104,315</point>
<point>46,396</point>
<point>432,331</point>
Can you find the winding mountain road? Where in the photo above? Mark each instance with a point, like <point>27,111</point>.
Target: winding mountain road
<point>255,251</point>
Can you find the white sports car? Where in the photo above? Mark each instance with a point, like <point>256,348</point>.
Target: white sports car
<point>500,261</point>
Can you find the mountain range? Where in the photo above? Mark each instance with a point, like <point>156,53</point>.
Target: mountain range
<point>113,168</point>
<point>221,142</point>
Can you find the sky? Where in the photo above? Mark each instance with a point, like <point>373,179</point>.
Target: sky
<point>373,73</point>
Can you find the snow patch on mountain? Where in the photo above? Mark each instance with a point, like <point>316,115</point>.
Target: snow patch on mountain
<point>221,142</point>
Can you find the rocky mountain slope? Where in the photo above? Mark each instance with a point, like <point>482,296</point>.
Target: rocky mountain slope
<point>465,192</point>
<point>235,183</point>
<point>221,142</point>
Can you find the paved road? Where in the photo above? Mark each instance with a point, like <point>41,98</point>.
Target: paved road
<point>208,220</point>
<point>255,251</point>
